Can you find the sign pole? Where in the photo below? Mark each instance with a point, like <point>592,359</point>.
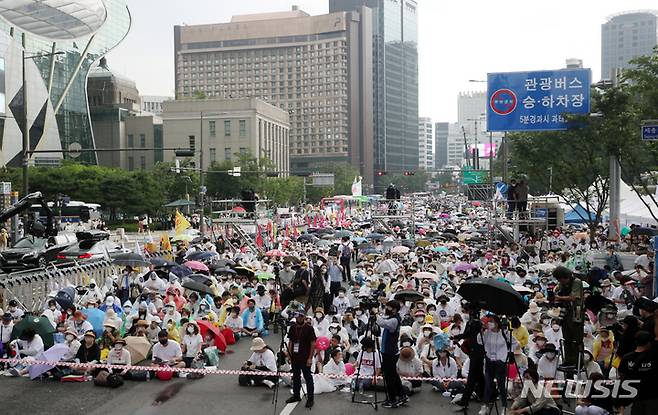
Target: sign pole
<point>655,269</point>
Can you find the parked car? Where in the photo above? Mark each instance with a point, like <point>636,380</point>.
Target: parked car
<point>92,245</point>
<point>32,252</point>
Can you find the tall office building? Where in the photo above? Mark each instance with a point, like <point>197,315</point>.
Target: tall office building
<point>316,68</point>
<point>395,75</point>
<point>626,36</point>
<point>441,144</point>
<point>456,150</point>
<point>62,41</point>
<point>425,143</point>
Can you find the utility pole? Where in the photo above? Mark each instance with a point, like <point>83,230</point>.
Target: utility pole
<point>505,157</point>
<point>202,190</point>
<point>615,205</point>
<point>26,143</point>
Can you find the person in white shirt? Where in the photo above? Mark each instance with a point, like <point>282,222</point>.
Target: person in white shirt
<point>336,367</point>
<point>71,340</point>
<point>262,359</point>
<point>548,364</point>
<point>16,312</point>
<point>367,364</point>
<point>191,343</point>
<point>167,352</point>
<point>554,335</point>
<point>234,322</point>
<point>320,323</point>
<point>170,314</point>
<point>409,365</point>
<point>119,355</point>
<point>496,348</point>
<point>6,326</point>
<point>341,303</point>
<point>80,324</point>
<point>52,313</point>
<point>27,346</point>
<point>445,367</point>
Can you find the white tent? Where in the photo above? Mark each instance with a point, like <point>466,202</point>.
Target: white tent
<point>633,208</point>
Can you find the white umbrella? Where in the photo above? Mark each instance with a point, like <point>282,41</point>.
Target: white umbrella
<point>546,266</point>
<point>425,276</point>
<point>400,249</point>
<point>387,266</point>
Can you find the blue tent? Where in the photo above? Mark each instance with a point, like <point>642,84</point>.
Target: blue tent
<point>579,215</point>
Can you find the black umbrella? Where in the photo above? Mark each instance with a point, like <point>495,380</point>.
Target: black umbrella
<point>161,262</point>
<point>324,231</point>
<point>596,302</point>
<point>203,279</point>
<point>130,259</point>
<point>181,271</point>
<point>197,286</point>
<point>247,272</point>
<point>644,231</point>
<point>221,270</point>
<point>408,243</point>
<point>66,297</point>
<point>201,256</point>
<point>306,237</point>
<point>408,295</point>
<point>375,236</point>
<point>225,263</point>
<point>493,295</point>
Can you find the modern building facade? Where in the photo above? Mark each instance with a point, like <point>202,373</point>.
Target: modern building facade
<point>106,87</point>
<point>456,150</point>
<point>62,41</point>
<point>153,103</point>
<point>441,144</point>
<point>425,143</point>
<point>395,77</point>
<point>625,36</point>
<point>225,128</point>
<point>318,69</point>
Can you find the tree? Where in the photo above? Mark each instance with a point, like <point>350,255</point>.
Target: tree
<point>198,94</point>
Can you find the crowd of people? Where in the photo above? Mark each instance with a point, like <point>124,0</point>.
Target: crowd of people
<point>372,301</point>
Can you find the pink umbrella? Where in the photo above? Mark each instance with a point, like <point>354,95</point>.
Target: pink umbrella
<point>274,252</point>
<point>464,266</point>
<point>196,266</point>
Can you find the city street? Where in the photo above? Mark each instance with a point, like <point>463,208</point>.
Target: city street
<point>212,395</point>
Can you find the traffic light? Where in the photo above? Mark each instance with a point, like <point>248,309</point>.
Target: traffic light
<point>381,173</point>
<point>409,173</point>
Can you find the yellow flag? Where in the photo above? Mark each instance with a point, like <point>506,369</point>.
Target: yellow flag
<point>165,243</point>
<point>181,223</point>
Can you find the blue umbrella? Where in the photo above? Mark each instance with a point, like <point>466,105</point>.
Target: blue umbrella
<point>96,318</point>
<point>54,354</point>
<point>201,256</point>
<point>359,240</point>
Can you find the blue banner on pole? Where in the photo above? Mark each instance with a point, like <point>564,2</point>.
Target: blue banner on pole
<point>536,100</point>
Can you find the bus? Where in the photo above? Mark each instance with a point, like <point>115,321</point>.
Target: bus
<point>74,212</point>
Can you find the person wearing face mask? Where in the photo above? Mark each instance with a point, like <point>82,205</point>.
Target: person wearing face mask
<point>6,327</point>
<point>341,303</point>
<point>109,336</point>
<point>72,342</point>
<point>119,355</point>
<point>419,322</point>
<point>52,313</point>
<point>554,334</point>
<point>263,303</point>
<point>495,340</point>
<point>320,323</point>
<point>390,324</point>
<point>589,365</point>
<point>548,363</point>
<point>475,351</point>
<point>445,367</point>
<point>603,347</point>
<point>191,343</point>
<point>153,329</point>
<point>15,311</point>
<point>252,320</point>
<point>167,352</point>
<point>170,314</point>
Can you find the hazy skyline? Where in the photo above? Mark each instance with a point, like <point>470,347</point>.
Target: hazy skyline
<point>458,41</point>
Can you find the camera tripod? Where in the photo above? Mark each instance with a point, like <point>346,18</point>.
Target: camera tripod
<point>376,352</point>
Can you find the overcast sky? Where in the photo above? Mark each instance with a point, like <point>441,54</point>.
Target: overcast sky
<point>458,40</point>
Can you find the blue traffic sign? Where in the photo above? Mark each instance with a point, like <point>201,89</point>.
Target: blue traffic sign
<point>537,100</point>
<point>650,131</point>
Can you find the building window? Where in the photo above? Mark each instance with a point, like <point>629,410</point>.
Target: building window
<point>142,140</point>
<point>142,162</point>
<point>227,128</point>
<point>243,151</point>
<point>227,153</point>
<point>131,141</point>
<point>212,128</point>
<point>192,143</point>
<point>243,128</point>
<point>131,163</point>
<point>213,155</point>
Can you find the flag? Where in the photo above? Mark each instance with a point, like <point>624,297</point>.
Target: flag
<point>259,237</point>
<point>357,186</point>
<point>287,230</point>
<point>181,223</point>
<point>165,243</point>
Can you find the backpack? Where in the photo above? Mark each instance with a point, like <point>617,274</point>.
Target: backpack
<point>347,252</point>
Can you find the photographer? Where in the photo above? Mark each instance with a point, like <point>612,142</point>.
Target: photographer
<point>390,354</point>
<point>570,296</point>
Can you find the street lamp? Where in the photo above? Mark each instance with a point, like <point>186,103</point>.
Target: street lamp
<point>26,133</point>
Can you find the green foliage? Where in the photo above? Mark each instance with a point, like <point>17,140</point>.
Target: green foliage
<point>198,94</point>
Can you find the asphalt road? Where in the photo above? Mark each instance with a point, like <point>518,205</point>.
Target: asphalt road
<point>210,395</point>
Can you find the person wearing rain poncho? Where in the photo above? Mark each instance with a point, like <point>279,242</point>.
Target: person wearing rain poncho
<point>205,311</point>
<point>93,294</point>
<point>126,317</point>
<point>174,294</point>
<point>170,314</point>
<point>155,283</point>
<point>110,304</point>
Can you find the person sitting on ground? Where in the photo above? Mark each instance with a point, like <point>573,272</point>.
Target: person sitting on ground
<point>167,352</point>
<point>119,355</point>
<point>262,359</point>
<point>89,352</point>
<point>252,320</point>
<point>336,367</point>
<point>368,364</point>
<point>28,345</point>
<point>234,322</point>
<point>531,404</point>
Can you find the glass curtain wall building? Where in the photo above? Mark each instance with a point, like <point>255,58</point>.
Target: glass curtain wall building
<point>395,80</point>
<point>79,32</point>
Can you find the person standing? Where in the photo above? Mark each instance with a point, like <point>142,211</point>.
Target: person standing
<point>570,296</point>
<point>390,355</point>
<point>345,255</point>
<point>641,366</point>
<point>301,348</point>
<point>475,351</point>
